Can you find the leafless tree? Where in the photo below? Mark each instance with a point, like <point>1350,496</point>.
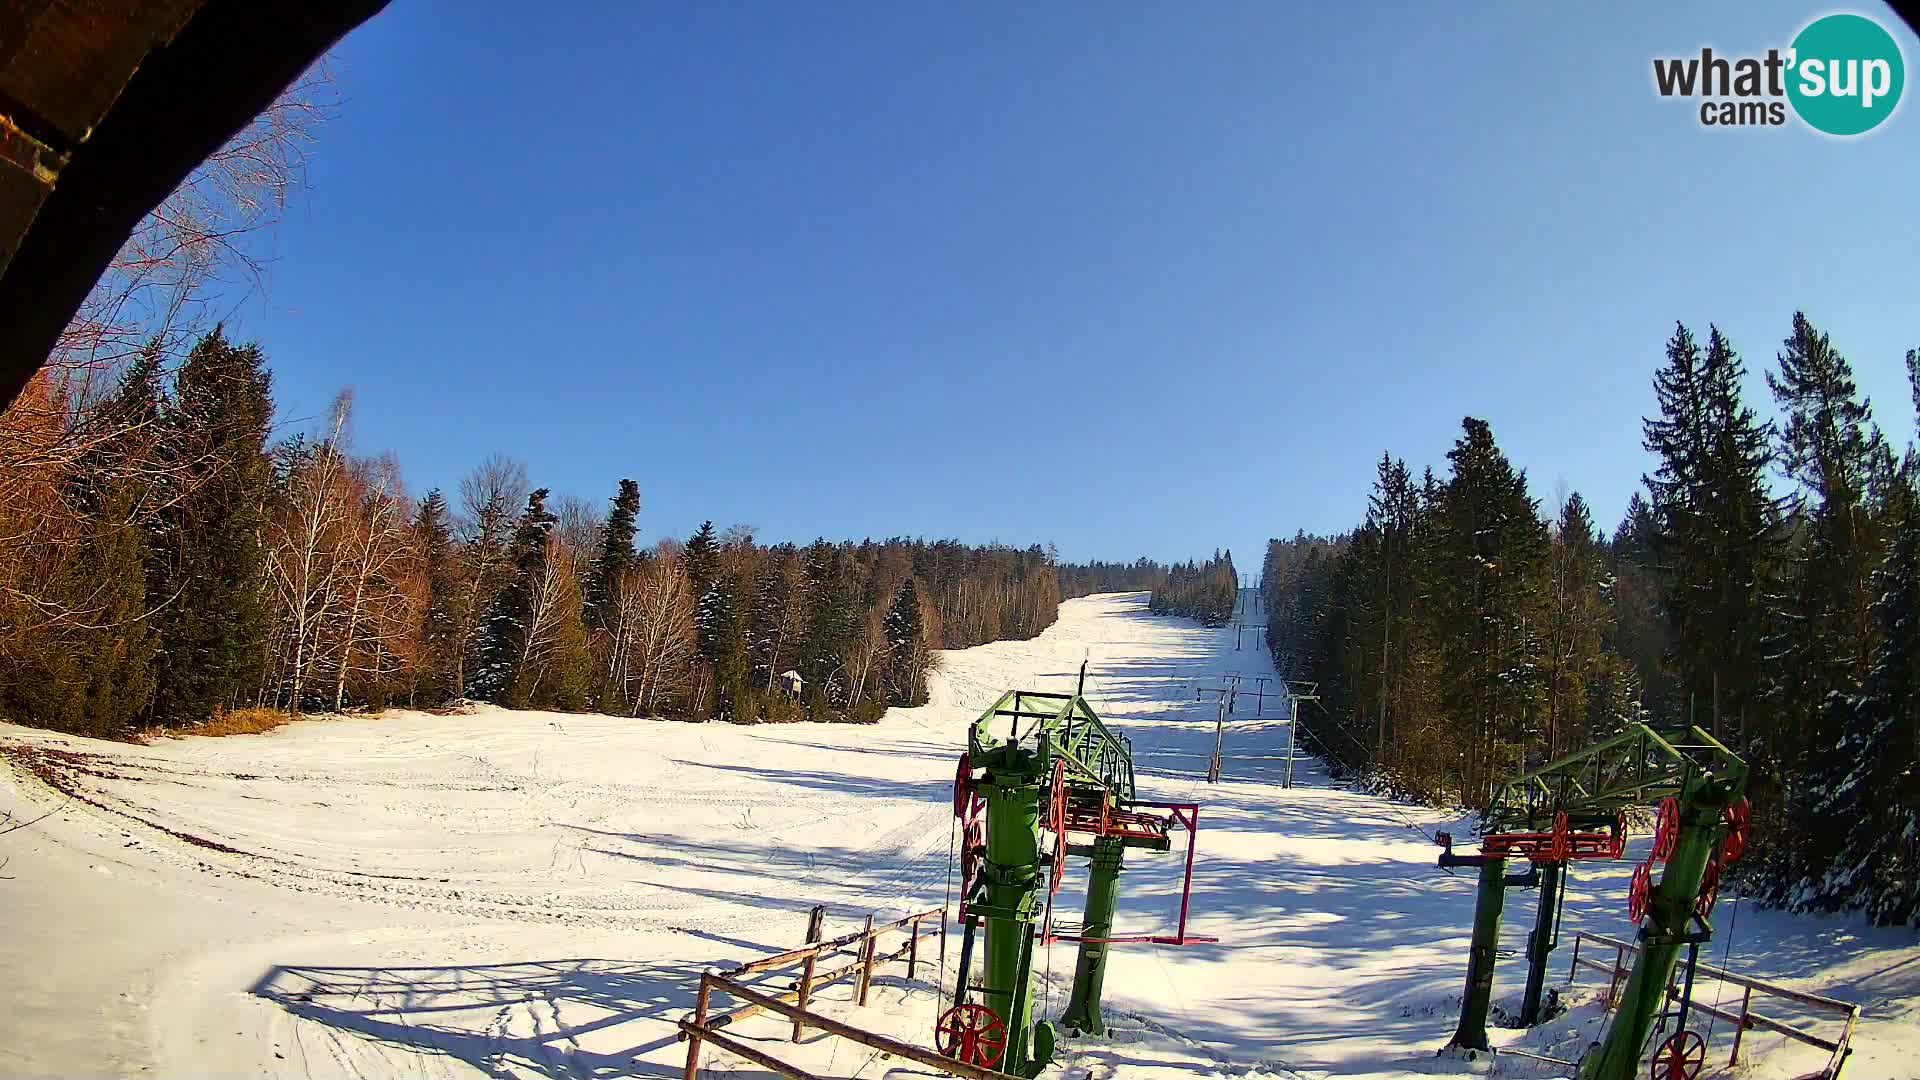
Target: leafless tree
<point>660,632</point>
<point>490,501</point>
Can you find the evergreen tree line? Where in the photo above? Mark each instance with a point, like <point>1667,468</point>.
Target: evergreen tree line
<point>1204,591</point>
<point>186,563</point>
<point>1764,587</point>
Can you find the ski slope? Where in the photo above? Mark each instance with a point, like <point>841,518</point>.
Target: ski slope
<point>520,894</point>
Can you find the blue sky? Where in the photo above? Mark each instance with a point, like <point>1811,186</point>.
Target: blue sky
<point>1132,278</point>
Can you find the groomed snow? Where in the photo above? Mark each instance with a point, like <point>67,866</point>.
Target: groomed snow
<point>533,894</point>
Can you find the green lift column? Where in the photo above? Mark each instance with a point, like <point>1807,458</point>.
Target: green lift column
<point>1540,943</point>
<point>1472,1032</point>
<point>1012,893</point>
<point>1666,929</point>
<point>1090,973</point>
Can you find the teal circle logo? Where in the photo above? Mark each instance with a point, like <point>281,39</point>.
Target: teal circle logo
<point>1846,74</point>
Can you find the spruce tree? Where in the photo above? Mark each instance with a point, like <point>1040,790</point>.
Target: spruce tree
<point>433,673</point>
<point>1877,867</point>
<point>1492,572</point>
<point>702,558</point>
<point>207,558</point>
<point>907,682</point>
<point>616,555</point>
<point>1824,633</point>
<point>504,637</point>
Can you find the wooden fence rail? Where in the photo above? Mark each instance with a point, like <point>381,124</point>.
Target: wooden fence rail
<point>704,1026</point>
<point>1838,1047</point>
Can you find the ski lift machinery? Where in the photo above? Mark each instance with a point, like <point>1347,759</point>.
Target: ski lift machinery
<point>1042,763</point>
<point>1574,808</point>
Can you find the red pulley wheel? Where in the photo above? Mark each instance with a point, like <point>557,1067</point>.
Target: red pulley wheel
<point>971,1033</point>
<point>963,785</point>
<point>1057,803</point>
<point>1739,821</point>
<point>1679,1058</point>
<point>1709,890</point>
<point>1617,843</point>
<point>1666,836</point>
<point>1640,893</point>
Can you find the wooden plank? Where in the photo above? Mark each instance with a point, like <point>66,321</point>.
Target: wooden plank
<point>1818,1001</point>
<point>820,982</point>
<point>795,956</point>
<point>699,1020</point>
<point>867,1038</point>
<point>734,1046</point>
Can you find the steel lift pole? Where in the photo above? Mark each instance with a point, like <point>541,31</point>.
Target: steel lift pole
<point>1543,940</point>
<point>1090,970</point>
<point>1471,1034</point>
<point>1012,879</point>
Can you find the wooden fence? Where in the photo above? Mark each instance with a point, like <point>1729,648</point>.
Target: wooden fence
<point>1845,1013</point>
<point>863,946</point>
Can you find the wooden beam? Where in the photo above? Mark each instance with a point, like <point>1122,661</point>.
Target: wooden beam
<point>877,1041</point>
<point>192,91</point>
<point>734,1046</point>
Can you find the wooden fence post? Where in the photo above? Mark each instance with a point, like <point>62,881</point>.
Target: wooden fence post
<point>1740,1029</point>
<point>913,948</point>
<point>1613,984</point>
<point>816,922</point>
<point>866,962</point>
<point>1573,969</point>
<point>699,1018</point>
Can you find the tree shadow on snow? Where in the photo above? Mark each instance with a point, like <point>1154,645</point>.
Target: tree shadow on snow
<point>527,1017</point>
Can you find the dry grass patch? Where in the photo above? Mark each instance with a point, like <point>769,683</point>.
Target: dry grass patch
<point>248,721</point>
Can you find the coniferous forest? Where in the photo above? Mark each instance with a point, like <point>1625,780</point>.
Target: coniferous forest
<point>1763,586</point>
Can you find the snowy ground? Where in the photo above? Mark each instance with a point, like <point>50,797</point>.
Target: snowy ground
<point>533,895</point>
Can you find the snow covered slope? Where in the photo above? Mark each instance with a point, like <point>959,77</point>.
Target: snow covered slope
<point>533,894</point>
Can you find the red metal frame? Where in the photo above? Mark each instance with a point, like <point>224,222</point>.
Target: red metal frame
<point>1132,825</point>
<point>1560,845</point>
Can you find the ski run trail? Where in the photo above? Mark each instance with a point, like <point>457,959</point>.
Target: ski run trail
<point>522,894</point>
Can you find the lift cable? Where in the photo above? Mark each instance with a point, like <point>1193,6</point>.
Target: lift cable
<point>1391,804</point>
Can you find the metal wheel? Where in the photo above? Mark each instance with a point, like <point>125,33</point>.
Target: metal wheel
<point>963,785</point>
<point>1709,889</point>
<point>1667,836</point>
<point>1679,1058</point>
<point>1640,893</point>
<point>1739,821</point>
<point>972,1033</point>
<point>1617,843</point>
<point>1057,801</point>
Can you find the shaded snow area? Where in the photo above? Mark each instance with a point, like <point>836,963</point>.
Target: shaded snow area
<point>534,895</point>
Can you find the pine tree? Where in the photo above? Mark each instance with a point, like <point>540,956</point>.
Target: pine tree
<point>1578,624</point>
<point>702,557</point>
<point>1491,579</point>
<point>508,621</point>
<point>433,673</point>
<point>616,555</point>
<point>207,560</point>
<point>1878,801</point>
<point>1824,631</point>
<point>779,617</point>
<point>1877,867</point>
<point>907,684</point>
